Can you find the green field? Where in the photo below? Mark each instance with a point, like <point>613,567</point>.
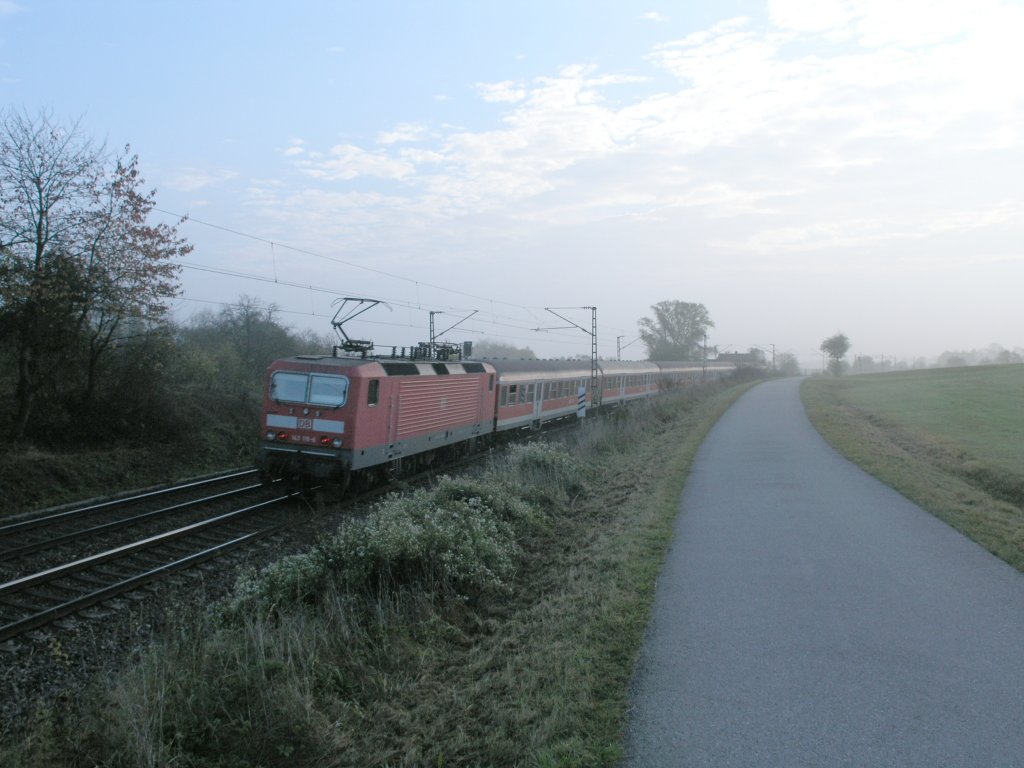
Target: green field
<point>950,439</point>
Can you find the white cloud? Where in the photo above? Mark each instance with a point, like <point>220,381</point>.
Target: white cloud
<point>345,162</point>
<point>840,126</point>
<point>505,91</point>
<point>403,133</point>
<point>194,179</point>
<point>811,16</point>
<point>653,16</point>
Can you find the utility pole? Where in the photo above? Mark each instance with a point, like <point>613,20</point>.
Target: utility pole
<point>595,393</point>
<point>619,346</point>
<point>757,346</point>
<point>704,358</point>
<point>432,337</point>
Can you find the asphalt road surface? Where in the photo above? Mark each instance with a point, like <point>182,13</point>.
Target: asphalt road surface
<point>808,615</point>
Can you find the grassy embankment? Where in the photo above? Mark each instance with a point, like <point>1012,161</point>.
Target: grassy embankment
<point>35,478</point>
<point>494,620</point>
<point>951,440</point>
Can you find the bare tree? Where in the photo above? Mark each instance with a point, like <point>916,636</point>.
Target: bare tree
<point>77,254</point>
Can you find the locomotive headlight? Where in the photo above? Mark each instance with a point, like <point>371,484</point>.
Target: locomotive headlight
<point>328,442</point>
<point>336,442</point>
<point>270,434</point>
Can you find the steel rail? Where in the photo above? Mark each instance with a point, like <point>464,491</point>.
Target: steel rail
<point>36,522</point>
<point>26,549</point>
<point>18,585</point>
<point>56,612</point>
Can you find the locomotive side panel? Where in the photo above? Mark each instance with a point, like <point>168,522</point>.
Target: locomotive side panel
<point>388,411</point>
<point>437,404</point>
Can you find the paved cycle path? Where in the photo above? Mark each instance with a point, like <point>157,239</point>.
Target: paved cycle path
<point>808,615</point>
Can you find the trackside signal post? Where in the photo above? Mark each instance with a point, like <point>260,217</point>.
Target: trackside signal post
<point>595,392</point>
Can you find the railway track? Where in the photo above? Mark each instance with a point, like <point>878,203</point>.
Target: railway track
<point>56,564</point>
<point>46,530</point>
<point>68,561</point>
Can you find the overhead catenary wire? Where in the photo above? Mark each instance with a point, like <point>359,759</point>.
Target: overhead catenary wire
<point>335,259</point>
<point>330,292</point>
<point>533,311</point>
<point>414,326</point>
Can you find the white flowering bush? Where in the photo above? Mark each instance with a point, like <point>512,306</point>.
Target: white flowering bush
<point>502,499</point>
<point>453,545</point>
<point>460,538</point>
<point>545,471</point>
<point>293,579</point>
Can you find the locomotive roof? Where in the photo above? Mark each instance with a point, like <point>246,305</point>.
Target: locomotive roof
<point>392,367</point>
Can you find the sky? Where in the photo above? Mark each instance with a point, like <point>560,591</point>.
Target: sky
<point>799,167</point>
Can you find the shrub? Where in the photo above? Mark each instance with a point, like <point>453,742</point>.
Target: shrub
<point>453,545</point>
<point>448,541</point>
<point>500,497</point>
<point>547,468</point>
<point>292,580</point>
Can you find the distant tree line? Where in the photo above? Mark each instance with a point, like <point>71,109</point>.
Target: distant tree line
<point>82,271</point>
<point>196,383</point>
<point>994,354</point>
<point>89,353</point>
<point>497,350</point>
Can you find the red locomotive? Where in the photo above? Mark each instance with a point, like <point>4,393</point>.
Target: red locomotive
<point>325,417</point>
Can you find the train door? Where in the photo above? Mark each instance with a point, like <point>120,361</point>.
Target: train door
<point>538,402</point>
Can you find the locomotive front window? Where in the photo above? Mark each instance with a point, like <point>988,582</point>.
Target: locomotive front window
<point>328,390</point>
<point>290,387</point>
<point>331,391</point>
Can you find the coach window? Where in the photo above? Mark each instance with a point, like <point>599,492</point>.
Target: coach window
<point>373,392</point>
